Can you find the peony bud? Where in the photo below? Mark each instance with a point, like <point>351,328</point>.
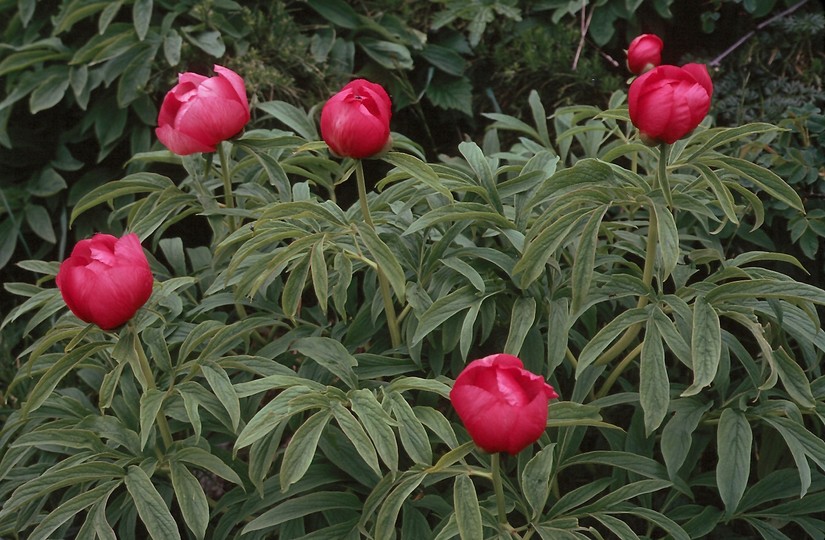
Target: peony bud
<point>502,405</point>
<point>668,102</point>
<point>200,112</point>
<point>355,122</point>
<point>105,280</point>
<point>644,53</point>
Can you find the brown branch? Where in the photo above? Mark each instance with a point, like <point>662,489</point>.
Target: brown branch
<point>716,61</point>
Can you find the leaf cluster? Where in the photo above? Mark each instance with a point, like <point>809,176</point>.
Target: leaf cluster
<point>260,391</point>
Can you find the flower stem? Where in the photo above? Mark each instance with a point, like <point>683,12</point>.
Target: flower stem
<point>229,199</point>
<point>617,371</point>
<point>647,272</point>
<point>146,371</point>
<point>495,460</point>
<point>383,283</point>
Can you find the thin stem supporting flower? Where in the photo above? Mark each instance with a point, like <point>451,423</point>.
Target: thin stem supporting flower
<point>383,282</point>
<point>647,278</point>
<point>226,176</point>
<point>495,461</point>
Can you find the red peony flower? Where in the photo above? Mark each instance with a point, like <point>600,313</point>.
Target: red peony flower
<point>106,280</point>
<point>355,122</point>
<point>644,53</point>
<point>668,102</point>
<point>199,112</point>
<point>502,405</point>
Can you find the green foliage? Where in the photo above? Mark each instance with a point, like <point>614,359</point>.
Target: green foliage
<point>260,391</point>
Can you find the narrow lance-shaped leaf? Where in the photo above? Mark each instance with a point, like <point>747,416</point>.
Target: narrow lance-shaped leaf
<point>377,423</point>
<point>607,334</point>
<point>762,177</point>
<point>150,403</point>
<point>150,506</point>
<point>668,243</point>
<point>301,450</point>
<point>320,274</point>
<point>322,501</point>
<point>481,167</point>
<point>586,258</point>
<point>677,435</point>
<point>330,354</point>
<point>70,508</point>
<point>191,499</point>
<point>705,345</point>
<point>221,385</point>
<point>521,320</point>
<point>388,514</point>
<point>535,479</point>
<point>411,430</point>
<point>538,250</point>
<point>794,379</point>
<point>467,336</point>
<point>654,386</point>
<point>442,309</point>
<point>420,170</point>
<point>385,259</point>
<point>467,510</point>
<point>294,287</point>
<point>733,440</point>
<point>357,436</point>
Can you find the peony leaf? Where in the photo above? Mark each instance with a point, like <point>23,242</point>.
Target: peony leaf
<point>221,385</point>
<point>190,498</point>
<point>70,508</point>
<point>535,479</point>
<point>734,441</point>
<point>386,260</point>
<point>677,435</point>
<point>357,436</point>
<point>150,403</point>
<point>654,387</point>
<point>298,507</point>
<point>585,258</point>
<point>794,379</point>
<point>150,506</point>
<point>142,17</point>
<point>521,320</point>
<point>330,354</point>
<point>411,431</point>
<point>706,345</point>
<point>302,447</point>
<point>388,514</point>
<point>467,509</point>
<point>377,423</point>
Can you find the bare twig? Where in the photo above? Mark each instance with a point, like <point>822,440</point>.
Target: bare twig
<point>716,61</point>
<point>585,25</point>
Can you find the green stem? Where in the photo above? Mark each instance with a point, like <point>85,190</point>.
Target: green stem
<point>495,460</point>
<point>383,283</point>
<point>647,272</point>
<point>617,371</point>
<point>146,371</point>
<point>229,199</point>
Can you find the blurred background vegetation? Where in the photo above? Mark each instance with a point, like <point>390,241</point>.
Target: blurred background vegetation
<point>82,80</point>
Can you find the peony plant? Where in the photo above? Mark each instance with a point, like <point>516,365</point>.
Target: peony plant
<point>304,371</point>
